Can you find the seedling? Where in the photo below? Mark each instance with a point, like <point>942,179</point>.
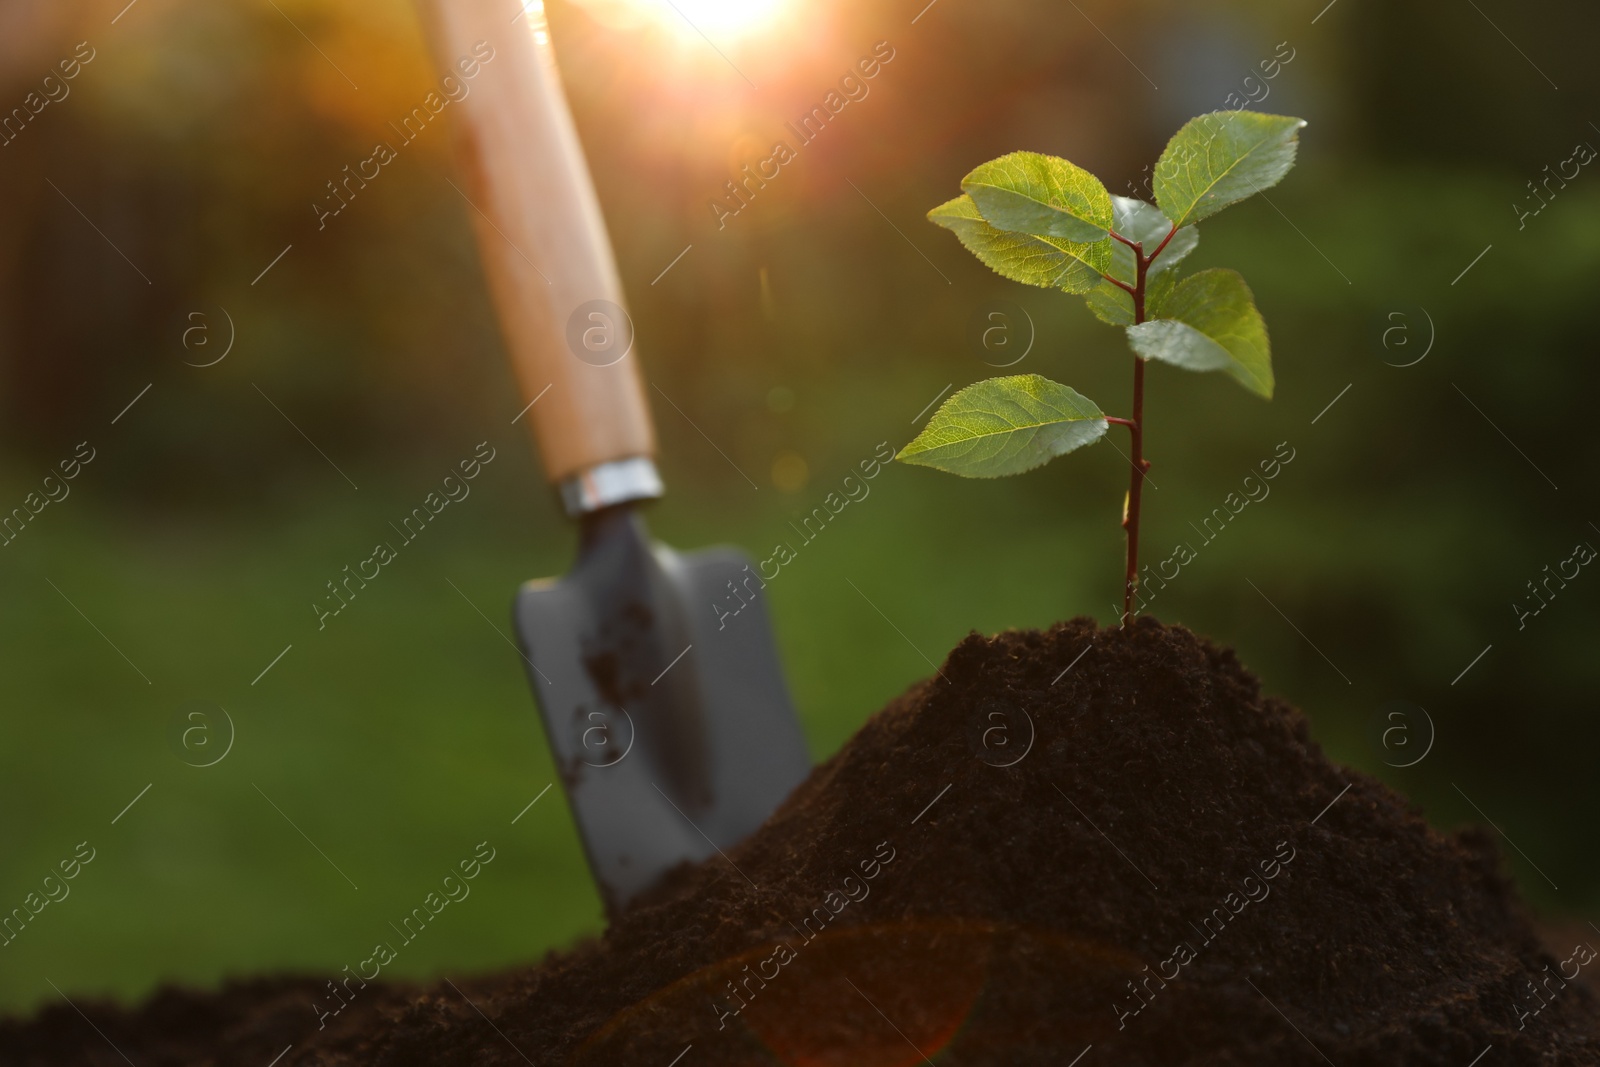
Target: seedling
<point>1043,221</point>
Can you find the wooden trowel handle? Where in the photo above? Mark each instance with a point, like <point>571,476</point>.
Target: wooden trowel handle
<point>541,235</point>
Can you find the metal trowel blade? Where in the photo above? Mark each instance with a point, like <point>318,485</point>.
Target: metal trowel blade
<point>666,711</point>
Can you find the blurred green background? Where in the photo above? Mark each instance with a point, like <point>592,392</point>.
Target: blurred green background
<point>820,321</point>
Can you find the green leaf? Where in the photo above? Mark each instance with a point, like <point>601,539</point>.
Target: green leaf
<point>1221,158</point>
<point>1026,192</point>
<point>1005,426</point>
<point>1115,306</point>
<point>1149,226</point>
<point>1144,223</point>
<point>1049,262</point>
<point>1207,322</point>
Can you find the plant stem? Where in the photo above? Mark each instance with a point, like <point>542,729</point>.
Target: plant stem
<point>1163,245</point>
<point>1130,519</point>
<point>1135,425</point>
<point>1140,465</point>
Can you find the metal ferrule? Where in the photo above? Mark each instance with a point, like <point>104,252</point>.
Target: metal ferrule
<point>607,484</point>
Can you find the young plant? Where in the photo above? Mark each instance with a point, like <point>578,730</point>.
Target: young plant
<point>1043,221</point>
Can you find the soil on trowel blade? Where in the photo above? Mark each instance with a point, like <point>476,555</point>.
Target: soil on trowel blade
<point>1086,839</point>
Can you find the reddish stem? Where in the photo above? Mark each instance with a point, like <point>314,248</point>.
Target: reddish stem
<point>1162,247</point>
<point>1118,237</point>
<point>1130,519</point>
<point>1135,425</point>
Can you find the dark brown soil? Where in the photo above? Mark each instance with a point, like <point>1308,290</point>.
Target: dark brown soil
<point>1172,874</point>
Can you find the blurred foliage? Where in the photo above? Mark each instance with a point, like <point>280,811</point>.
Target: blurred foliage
<point>796,338</point>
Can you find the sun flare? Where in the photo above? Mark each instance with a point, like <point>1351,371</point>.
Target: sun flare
<point>728,16</point>
<point>720,20</point>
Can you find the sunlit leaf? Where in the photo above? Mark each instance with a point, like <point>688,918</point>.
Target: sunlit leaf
<point>1005,426</point>
<point>1050,262</point>
<point>1026,192</point>
<point>1208,322</point>
<point>1222,158</point>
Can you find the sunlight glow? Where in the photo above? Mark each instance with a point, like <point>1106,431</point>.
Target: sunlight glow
<point>733,17</point>
<point>721,20</point>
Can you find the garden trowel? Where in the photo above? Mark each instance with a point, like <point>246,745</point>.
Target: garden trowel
<point>666,710</point>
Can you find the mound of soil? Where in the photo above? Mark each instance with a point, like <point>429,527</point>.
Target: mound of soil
<point>1082,843</point>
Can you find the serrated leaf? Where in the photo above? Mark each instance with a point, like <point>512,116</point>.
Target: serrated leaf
<point>1049,262</point>
<point>1208,322</point>
<point>1026,192</point>
<point>1005,426</point>
<point>1220,159</point>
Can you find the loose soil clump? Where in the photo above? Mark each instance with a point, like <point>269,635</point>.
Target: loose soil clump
<point>1067,839</point>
